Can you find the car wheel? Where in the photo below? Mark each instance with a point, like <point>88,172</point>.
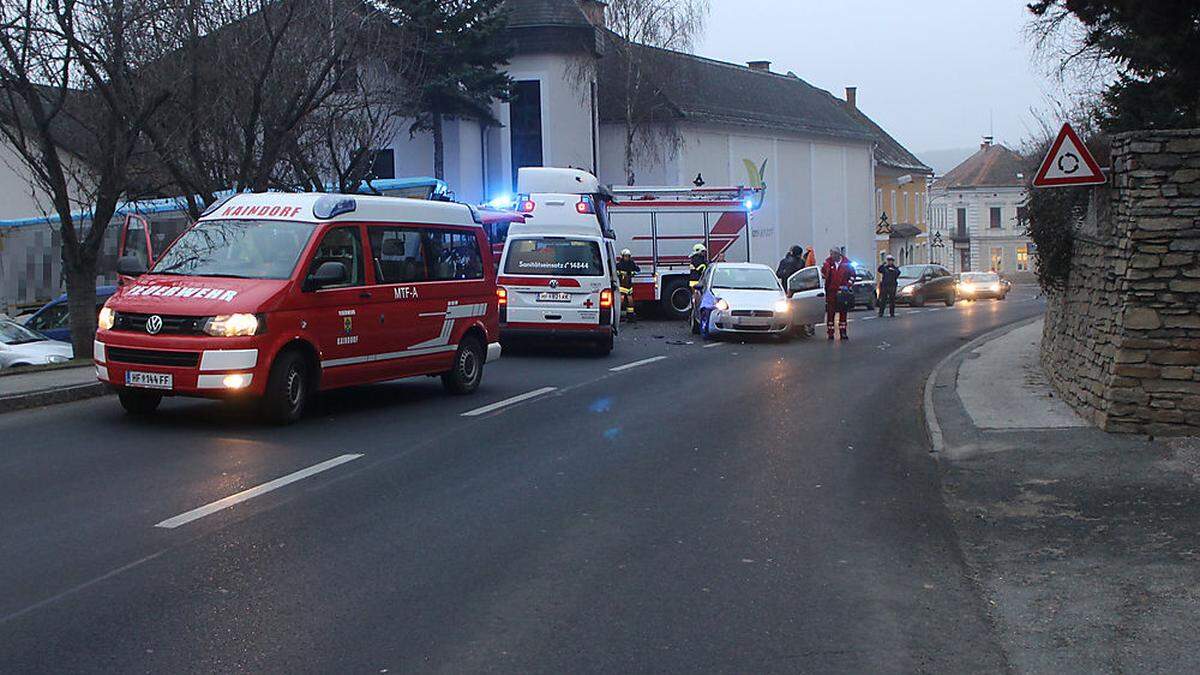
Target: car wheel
<point>695,323</point>
<point>466,373</point>
<point>139,403</point>
<point>951,299</point>
<point>288,389</point>
<point>677,300</point>
<point>604,345</point>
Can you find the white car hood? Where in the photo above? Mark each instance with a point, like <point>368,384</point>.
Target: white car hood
<point>743,299</point>
<point>34,353</point>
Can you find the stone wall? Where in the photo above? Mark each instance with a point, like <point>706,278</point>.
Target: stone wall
<point>1122,342</point>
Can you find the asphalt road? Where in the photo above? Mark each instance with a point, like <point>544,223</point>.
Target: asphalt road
<point>740,507</point>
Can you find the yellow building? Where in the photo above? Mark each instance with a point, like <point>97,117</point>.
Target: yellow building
<point>901,195</point>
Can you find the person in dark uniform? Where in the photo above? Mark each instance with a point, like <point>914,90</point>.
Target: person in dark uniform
<point>698,263</point>
<point>627,267</point>
<point>889,276</point>
<point>792,262</point>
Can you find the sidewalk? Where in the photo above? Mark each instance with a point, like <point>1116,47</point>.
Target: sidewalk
<point>1086,545</point>
<point>43,387</point>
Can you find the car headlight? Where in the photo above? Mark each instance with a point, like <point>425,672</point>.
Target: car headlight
<point>782,307</point>
<point>106,319</point>
<point>722,305</point>
<point>232,325</point>
<point>56,358</point>
<point>967,288</point>
<point>995,288</point>
<point>908,290</point>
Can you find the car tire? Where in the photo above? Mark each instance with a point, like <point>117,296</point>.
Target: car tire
<point>466,372</point>
<point>694,323</point>
<point>672,301</point>
<point>604,345</point>
<point>918,300</point>
<point>288,389</point>
<point>951,299</point>
<point>139,403</point>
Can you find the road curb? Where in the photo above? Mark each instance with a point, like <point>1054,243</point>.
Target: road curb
<point>35,399</point>
<point>933,429</point>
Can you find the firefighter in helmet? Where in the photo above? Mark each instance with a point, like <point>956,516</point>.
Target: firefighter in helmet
<point>698,263</point>
<point>626,268</point>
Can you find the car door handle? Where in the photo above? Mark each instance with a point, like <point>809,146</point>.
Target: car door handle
<point>365,295</point>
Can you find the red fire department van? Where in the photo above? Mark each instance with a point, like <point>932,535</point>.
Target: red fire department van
<point>276,296</point>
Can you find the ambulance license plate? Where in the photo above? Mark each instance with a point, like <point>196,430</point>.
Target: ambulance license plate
<point>149,380</point>
<point>554,297</point>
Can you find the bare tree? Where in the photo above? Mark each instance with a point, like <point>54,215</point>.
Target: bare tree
<point>267,94</point>
<point>638,29</point>
<point>74,113</point>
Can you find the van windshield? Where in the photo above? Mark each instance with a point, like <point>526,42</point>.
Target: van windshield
<point>247,249</point>
<point>554,256</point>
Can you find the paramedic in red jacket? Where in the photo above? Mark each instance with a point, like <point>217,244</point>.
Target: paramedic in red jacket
<point>838,274</point>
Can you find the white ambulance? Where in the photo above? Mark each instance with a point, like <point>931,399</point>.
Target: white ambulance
<point>557,276</point>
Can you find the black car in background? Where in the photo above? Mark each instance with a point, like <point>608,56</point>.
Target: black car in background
<point>864,288</point>
<point>920,284</point>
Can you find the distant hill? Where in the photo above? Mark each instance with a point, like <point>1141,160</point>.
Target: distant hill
<point>943,160</point>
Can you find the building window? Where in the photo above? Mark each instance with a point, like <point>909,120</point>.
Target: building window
<point>895,215</point>
<point>964,260</point>
<point>878,202</point>
<point>1022,216</point>
<point>383,164</point>
<point>962,223</point>
<point>525,124</point>
<point>997,259</point>
<point>1022,259</point>
<point>996,216</point>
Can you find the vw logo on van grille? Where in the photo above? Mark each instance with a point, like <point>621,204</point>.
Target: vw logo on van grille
<point>154,324</point>
<point>554,283</point>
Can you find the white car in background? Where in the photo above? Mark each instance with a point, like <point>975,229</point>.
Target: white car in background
<point>20,346</point>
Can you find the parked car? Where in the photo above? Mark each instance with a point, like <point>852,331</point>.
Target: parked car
<point>864,288</point>
<point>919,284</point>
<point>20,346</point>
<point>740,298</point>
<point>981,285</point>
<point>54,320</point>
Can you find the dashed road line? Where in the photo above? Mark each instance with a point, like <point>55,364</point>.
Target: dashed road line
<point>221,504</point>
<point>636,364</point>
<point>508,401</point>
<point>713,344</point>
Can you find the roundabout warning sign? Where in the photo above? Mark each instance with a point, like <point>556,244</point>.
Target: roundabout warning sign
<point>1068,163</point>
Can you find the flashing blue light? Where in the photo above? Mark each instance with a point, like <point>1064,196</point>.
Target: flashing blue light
<point>749,204</point>
<point>332,206</point>
<point>502,202</point>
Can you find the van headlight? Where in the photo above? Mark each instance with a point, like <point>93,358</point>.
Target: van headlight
<point>721,305</point>
<point>782,307</point>
<point>106,319</point>
<point>232,325</point>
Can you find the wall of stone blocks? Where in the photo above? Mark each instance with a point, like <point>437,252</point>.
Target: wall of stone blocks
<point>1122,342</point>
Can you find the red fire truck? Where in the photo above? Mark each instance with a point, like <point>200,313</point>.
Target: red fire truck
<point>660,225</point>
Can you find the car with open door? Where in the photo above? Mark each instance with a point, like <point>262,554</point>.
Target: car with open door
<point>740,298</point>
<point>806,298</point>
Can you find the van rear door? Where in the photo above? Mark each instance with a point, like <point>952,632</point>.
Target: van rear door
<point>554,280</point>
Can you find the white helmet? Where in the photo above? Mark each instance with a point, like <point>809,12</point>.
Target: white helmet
<point>698,248</point>
<point>625,252</point>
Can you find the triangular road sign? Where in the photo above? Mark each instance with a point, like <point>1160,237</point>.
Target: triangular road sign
<point>1068,163</point>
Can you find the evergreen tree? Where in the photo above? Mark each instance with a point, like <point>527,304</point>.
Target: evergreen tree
<point>463,46</point>
<point>1155,47</point>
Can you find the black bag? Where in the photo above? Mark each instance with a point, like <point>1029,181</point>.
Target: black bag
<point>845,299</point>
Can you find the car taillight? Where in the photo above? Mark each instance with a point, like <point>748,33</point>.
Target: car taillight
<point>502,296</point>
<point>606,298</point>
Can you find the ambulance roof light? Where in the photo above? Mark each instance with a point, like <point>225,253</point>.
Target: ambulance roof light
<point>332,206</point>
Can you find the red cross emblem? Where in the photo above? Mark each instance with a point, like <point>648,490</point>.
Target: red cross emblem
<point>588,303</point>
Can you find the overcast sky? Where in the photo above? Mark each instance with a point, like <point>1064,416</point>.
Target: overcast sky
<point>928,71</point>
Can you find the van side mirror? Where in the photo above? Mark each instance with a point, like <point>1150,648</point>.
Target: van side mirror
<point>329,273</point>
<point>130,266</point>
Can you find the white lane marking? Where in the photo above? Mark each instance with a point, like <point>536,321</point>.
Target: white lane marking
<point>637,364</point>
<point>220,504</point>
<point>714,344</point>
<point>508,401</point>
